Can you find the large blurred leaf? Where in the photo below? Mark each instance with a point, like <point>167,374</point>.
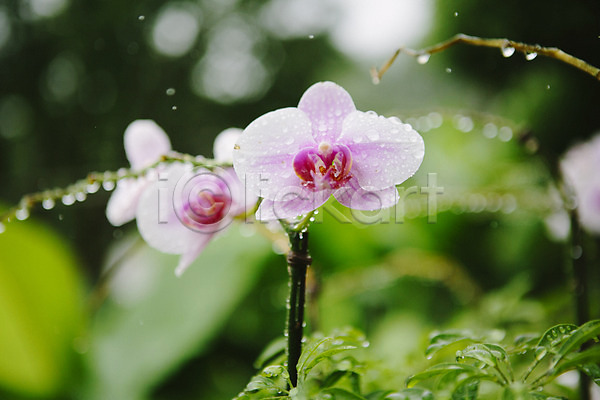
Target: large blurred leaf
<point>155,320</point>
<point>40,310</point>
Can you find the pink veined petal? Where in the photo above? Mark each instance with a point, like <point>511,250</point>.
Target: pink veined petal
<point>385,152</point>
<point>355,197</point>
<point>263,155</point>
<point>224,144</point>
<point>326,104</point>
<point>292,205</point>
<point>192,253</point>
<point>123,202</point>
<point>145,142</point>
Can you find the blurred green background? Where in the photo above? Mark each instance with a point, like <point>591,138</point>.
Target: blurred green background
<point>74,74</point>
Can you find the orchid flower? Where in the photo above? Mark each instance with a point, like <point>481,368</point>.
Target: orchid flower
<point>145,142</point>
<point>185,208</point>
<point>580,167</point>
<point>296,158</point>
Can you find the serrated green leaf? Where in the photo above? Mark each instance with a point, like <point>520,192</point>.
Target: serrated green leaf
<point>441,369</point>
<point>552,338</point>
<point>587,331</point>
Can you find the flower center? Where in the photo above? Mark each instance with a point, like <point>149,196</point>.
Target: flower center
<point>206,203</point>
<point>326,167</point>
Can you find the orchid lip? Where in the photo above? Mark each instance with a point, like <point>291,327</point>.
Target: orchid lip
<point>325,167</point>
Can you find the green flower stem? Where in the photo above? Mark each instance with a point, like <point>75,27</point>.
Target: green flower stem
<point>580,291</point>
<point>298,261</point>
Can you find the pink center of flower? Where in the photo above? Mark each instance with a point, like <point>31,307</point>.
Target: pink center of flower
<point>326,167</point>
<point>207,202</point>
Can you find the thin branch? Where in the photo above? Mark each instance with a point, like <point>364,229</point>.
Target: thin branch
<point>79,190</point>
<point>508,47</point>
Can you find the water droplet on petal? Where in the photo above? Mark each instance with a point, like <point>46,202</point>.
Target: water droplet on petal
<point>371,113</point>
<point>48,204</point>
<point>423,58</point>
<point>372,135</point>
<point>289,140</point>
<point>22,214</point>
<point>508,51</point>
<point>68,199</point>
<point>108,185</point>
<point>530,56</point>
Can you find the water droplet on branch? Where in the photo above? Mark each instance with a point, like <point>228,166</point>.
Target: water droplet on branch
<point>423,58</point>
<point>22,214</point>
<point>508,51</point>
<point>48,204</point>
<point>530,56</point>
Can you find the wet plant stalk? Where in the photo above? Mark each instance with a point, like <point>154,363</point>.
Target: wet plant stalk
<point>298,261</point>
<point>580,291</point>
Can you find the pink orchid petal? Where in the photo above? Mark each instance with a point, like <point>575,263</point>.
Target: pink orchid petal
<point>385,152</point>
<point>355,197</point>
<point>263,154</point>
<point>145,142</point>
<point>292,205</point>
<point>123,202</point>
<point>224,144</point>
<point>192,253</point>
<point>242,201</point>
<point>326,104</point>
<point>156,218</point>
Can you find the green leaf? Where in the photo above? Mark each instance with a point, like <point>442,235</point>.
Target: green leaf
<point>589,356</point>
<point>466,390</point>
<point>411,394</point>
<point>439,340</point>
<point>342,394</point>
<point>593,371</point>
<point>41,311</point>
<point>587,331</point>
<point>444,368</point>
<point>155,321</point>
<point>552,338</point>
<point>274,351</point>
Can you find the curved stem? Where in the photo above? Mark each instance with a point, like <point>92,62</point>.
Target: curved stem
<point>525,48</point>
<point>298,261</point>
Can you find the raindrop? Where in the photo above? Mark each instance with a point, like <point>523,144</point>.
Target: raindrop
<point>490,130</point>
<point>423,58</point>
<point>372,135</point>
<point>530,56</point>
<point>80,196</point>
<point>576,252</point>
<point>2,228</point>
<point>92,187</point>
<point>371,113</point>
<point>448,70</point>
<point>108,185</point>
<point>174,108</point>
<point>141,18</point>
<point>456,13</point>
<point>508,51</point>
<point>48,204</point>
<point>61,217</point>
<point>22,214</point>
<point>68,199</point>
<point>311,36</point>
<point>548,86</point>
<point>505,134</point>
<point>170,91</point>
